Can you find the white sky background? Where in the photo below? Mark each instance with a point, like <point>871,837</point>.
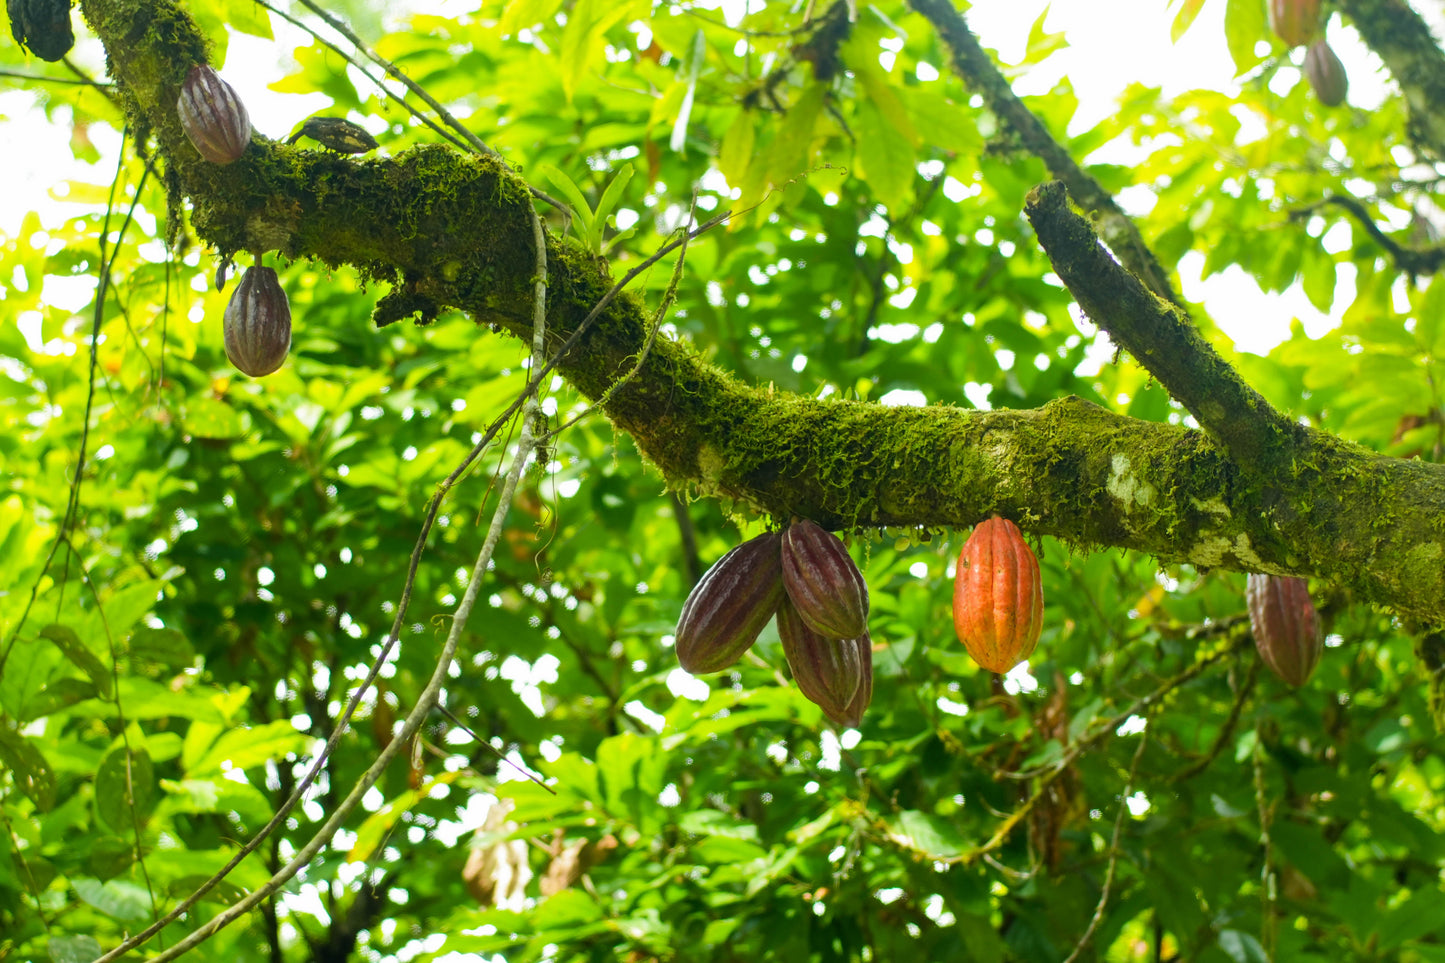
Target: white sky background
<point>1105,54</point>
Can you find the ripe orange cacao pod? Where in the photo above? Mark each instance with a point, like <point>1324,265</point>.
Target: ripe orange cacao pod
<point>1326,74</point>
<point>1286,626</point>
<point>258,323</point>
<point>1294,21</point>
<point>828,671</point>
<point>824,584</point>
<point>730,605</point>
<point>213,117</point>
<point>998,597</point>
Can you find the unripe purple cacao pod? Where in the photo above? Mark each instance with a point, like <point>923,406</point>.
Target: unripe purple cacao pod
<point>213,117</point>
<point>730,605</point>
<point>1286,627</point>
<point>1326,74</point>
<point>258,323</point>
<point>829,672</point>
<point>824,584</point>
<point>42,27</point>
<point>998,596</point>
<point>852,716</point>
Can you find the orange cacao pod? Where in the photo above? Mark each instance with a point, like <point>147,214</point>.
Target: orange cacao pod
<point>998,598</point>
<point>258,323</point>
<point>1294,21</point>
<point>1286,627</point>
<point>730,605</point>
<point>824,584</point>
<point>213,117</point>
<point>1326,74</point>
<point>828,671</point>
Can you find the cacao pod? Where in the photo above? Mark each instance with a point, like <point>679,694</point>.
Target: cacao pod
<point>213,117</point>
<point>998,597</point>
<point>824,584</point>
<point>852,716</point>
<point>42,27</point>
<point>829,672</point>
<point>1286,627</point>
<point>730,605</point>
<point>1326,74</point>
<point>1294,21</point>
<point>258,323</point>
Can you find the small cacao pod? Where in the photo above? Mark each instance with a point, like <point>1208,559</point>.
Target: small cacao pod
<point>258,323</point>
<point>730,605</point>
<point>824,584</point>
<point>829,672</point>
<point>1326,74</point>
<point>998,597</point>
<point>213,117</point>
<point>42,26</point>
<point>1286,627</point>
<point>1294,21</point>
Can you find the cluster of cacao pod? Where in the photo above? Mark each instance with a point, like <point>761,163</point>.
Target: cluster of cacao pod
<point>805,576</point>
<point>1286,627</point>
<point>998,597</point>
<point>1298,22</point>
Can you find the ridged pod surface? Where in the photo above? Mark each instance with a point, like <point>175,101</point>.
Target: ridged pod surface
<point>823,582</point>
<point>829,672</point>
<point>1286,626</point>
<point>213,117</point>
<point>998,597</point>
<point>258,323</point>
<point>852,716</point>
<point>730,605</point>
<point>1294,21</point>
<point>1326,74</point>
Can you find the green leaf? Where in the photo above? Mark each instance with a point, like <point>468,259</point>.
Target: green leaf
<point>1244,28</point>
<point>125,786</point>
<point>929,836</point>
<point>247,748</point>
<point>1188,10</point>
<point>74,948</point>
<point>81,657</point>
<point>117,898</point>
<point>582,38</point>
<point>29,768</point>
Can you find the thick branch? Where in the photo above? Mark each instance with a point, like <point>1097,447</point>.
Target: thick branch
<point>1403,41</point>
<point>456,230</point>
<point>974,66</point>
<point>1156,333</point>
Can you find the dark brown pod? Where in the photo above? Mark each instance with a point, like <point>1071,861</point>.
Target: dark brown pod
<point>258,323</point>
<point>213,117</point>
<point>1326,74</point>
<point>42,27</point>
<point>823,582</point>
<point>1286,626</point>
<point>829,672</point>
<point>730,605</point>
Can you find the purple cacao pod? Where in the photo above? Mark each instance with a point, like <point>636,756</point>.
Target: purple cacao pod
<point>1286,627</point>
<point>824,584</point>
<point>829,672</point>
<point>1326,74</point>
<point>213,117</point>
<point>852,716</point>
<point>258,323</point>
<point>730,605</point>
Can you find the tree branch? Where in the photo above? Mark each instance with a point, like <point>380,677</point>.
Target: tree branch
<point>1156,333</point>
<point>1403,41</point>
<point>1410,260</point>
<point>454,230</point>
<point>974,66</point>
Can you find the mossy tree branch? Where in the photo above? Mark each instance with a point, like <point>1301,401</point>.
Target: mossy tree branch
<point>976,69</point>
<point>453,230</point>
<point>1403,41</point>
